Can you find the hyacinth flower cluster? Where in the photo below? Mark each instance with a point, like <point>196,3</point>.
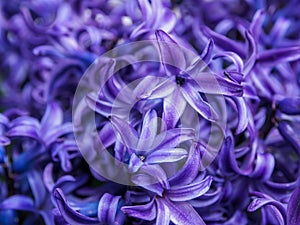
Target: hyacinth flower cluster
<point>149,112</point>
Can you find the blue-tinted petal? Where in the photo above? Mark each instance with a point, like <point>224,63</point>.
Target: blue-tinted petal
<point>8,217</point>
<point>18,202</point>
<point>290,106</point>
<point>69,214</point>
<point>37,187</point>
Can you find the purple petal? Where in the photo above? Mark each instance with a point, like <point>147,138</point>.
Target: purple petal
<point>196,102</point>
<point>276,56</point>
<point>37,187</point>
<point>183,213</point>
<point>278,211</point>
<point>100,106</point>
<point>4,141</point>
<point>207,199</point>
<point>145,8</point>
<point>4,120</point>
<point>53,117</point>
<point>25,131</point>
<point>189,192</point>
<point>224,42</point>
<point>242,114</point>
<point>172,138</point>
<point>135,163</point>
<point>169,19</point>
<point>56,132</point>
<point>227,160</point>
<point>209,83</point>
<point>18,202</point>
<point>108,209</point>
<point>257,22</point>
<point>238,218</point>
<point>47,177</point>
<point>145,212</point>
<point>69,214</point>
<point>163,89</point>
<point>163,213</point>
<point>127,133</point>
<point>48,217</point>
<point>264,166</point>
<point>149,130</point>
<point>291,132</point>
<point>152,178</point>
<point>290,106</point>
<point>206,54</point>
<point>172,112</point>
<point>137,197</point>
<point>200,63</point>
<point>166,155</point>
<point>238,62</point>
<point>190,169</point>
<point>170,52</point>
<point>107,135</point>
<point>293,208</point>
<point>252,49</point>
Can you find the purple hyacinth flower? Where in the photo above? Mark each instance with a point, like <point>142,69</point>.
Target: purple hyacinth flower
<point>184,83</point>
<point>152,146</point>
<point>173,204</point>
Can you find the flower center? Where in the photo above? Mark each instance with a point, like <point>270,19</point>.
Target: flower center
<point>142,158</point>
<point>180,80</point>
